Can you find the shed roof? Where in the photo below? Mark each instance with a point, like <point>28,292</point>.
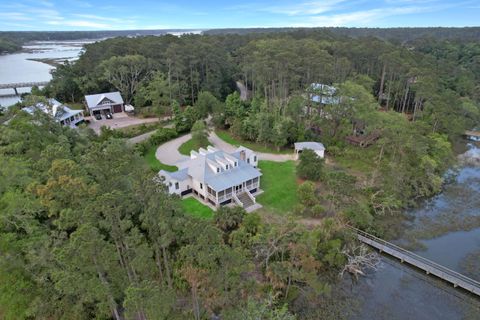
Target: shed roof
<point>309,145</point>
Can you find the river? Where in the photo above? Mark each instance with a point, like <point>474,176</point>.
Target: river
<point>444,229</point>
<point>18,67</point>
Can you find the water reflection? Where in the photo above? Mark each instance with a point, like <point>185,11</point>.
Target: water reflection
<point>396,291</point>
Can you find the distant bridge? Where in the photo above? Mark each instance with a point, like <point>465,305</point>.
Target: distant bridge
<point>15,86</point>
<point>430,267</point>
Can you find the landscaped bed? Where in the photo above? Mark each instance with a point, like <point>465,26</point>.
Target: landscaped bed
<point>154,163</point>
<point>190,145</point>
<point>279,183</point>
<point>193,207</point>
<point>229,138</point>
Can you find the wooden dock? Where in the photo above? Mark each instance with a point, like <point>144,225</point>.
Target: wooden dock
<point>456,279</point>
<point>15,86</point>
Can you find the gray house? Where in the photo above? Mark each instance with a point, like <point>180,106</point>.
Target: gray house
<point>109,102</point>
<point>217,177</point>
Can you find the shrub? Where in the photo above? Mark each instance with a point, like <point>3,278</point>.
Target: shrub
<point>310,166</point>
<point>306,194</point>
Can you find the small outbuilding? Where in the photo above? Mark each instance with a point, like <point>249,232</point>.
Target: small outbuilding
<point>109,102</point>
<point>316,147</point>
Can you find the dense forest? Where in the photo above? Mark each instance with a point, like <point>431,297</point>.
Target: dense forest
<point>8,45</point>
<point>400,35</point>
<point>86,231</point>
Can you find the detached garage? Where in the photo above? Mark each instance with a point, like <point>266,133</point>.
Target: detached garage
<point>316,147</point>
<point>110,102</point>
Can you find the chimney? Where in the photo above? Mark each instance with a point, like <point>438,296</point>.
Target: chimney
<point>243,155</point>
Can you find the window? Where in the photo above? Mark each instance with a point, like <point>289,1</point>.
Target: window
<point>226,167</point>
<point>218,170</point>
<point>248,160</point>
<point>201,185</point>
<point>177,186</point>
<point>169,184</point>
<point>235,163</point>
<point>254,158</point>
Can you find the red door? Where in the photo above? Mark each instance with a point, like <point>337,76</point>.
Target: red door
<point>117,108</point>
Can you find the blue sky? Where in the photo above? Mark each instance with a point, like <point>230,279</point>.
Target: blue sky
<point>183,14</point>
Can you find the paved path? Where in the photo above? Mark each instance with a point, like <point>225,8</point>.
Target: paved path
<point>243,90</point>
<point>222,145</point>
<point>141,137</point>
<point>168,153</point>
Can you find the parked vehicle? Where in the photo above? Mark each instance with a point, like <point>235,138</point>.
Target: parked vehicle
<point>108,115</point>
<point>98,116</point>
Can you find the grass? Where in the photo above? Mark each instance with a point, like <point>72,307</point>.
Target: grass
<point>229,138</point>
<point>356,159</point>
<point>76,105</point>
<point>154,163</point>
<point>193,207</point>
<point>138,129</point>
<point>190,145</point>
<point>279,183</point>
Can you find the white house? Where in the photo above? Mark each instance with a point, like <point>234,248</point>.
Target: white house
<point>109,102</point>
<point>316,147</point>
<point>323,94</point>
<point>61,113</point>
<point>217,177</point>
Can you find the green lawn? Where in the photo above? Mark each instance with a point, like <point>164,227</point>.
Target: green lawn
<point>154,163</point>
<point>76,105</point>
<point>193,207</point>
<point>190,145</point>
<point>357,159</point>
<point>227,137</point>
<point>138,129</point>
<point>279,183</point>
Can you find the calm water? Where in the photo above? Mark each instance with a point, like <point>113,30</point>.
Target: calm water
<point>18,68</point>
<point>396,291</point>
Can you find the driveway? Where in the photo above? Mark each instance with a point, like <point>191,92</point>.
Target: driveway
<point>120,120</point>
<point>222,145</point>
<point>141,137</point>
<point>167,153</point>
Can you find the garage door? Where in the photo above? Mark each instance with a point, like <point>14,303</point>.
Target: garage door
<point>117,108</point>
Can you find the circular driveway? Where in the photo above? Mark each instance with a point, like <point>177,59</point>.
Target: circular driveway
<point>168,153</point>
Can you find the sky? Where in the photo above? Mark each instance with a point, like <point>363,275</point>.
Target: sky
<point>205,14</point>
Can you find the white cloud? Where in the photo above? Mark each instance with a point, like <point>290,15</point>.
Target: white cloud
<point>80,23</point>
<point>361,18</point>
<point>16,16</point>
<point>305,8</point>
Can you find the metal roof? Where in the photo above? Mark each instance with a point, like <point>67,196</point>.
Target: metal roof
<point>232,177</point>
<point>54,109</point>
<point>203,168</point>
<point>93,100</point>
<point>309,145</point>
<point>179,175</point>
